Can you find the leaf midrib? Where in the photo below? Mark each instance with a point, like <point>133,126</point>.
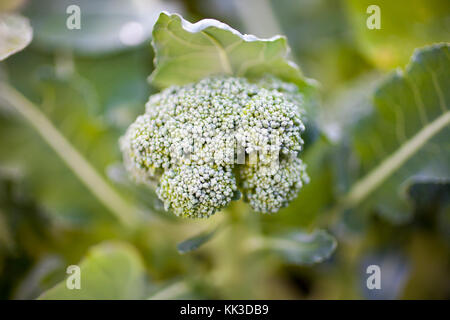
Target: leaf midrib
<point>221,52</point>
<point>363,187</point>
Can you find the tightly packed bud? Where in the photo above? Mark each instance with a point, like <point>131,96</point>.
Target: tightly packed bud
<point>196,191</point>
<point>270,187</point>
<point>198,143</point>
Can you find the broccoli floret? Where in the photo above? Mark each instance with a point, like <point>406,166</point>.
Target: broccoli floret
<point>268,188</point>
<point>196,190</point>
<point>199,143</point>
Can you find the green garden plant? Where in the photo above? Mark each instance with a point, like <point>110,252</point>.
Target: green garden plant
<point>232,132</point>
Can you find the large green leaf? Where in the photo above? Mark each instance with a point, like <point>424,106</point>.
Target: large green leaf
<point>90,106</point>
<point>15,34</point>
<point>187,52</point>
<point>110,270</point>
<point>406,135</point>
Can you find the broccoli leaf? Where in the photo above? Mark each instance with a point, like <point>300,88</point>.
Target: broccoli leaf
<point>15,34</point>
<point>195,242</point>
<point>302,248</point>
<point>186,52</point>
<point>430,198</point>
<point>429,195</point>
<point>111,270</point>
<point>406,135</point>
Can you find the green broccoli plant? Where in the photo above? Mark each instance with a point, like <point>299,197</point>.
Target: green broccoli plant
<point>204,143</point>
<point>229,122</point>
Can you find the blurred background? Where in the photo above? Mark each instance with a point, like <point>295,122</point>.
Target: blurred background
<point>92,83</point>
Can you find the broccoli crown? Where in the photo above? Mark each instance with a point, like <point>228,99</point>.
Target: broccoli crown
<point>201,143</point>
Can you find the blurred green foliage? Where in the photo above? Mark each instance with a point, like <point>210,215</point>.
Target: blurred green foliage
<point>404,27</point>
<point>92,88</point>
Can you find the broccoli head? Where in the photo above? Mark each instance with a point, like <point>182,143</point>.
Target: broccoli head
<point>204,144</point>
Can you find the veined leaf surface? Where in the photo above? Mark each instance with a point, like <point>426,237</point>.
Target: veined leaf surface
<point>187,52</point>
<point>407,134</point>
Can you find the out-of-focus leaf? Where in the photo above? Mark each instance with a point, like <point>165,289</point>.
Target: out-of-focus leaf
<point>345,108</point>
<point>348,105</point>
<point>34,282</point>
<point>187,52</point>
<point>26,231</point>
<point>429,194</point>
<point>302,248</point>
<point>15,34</point>
<point>20,214</point>
<point>177,290</point>
<point>105,25</point>
<point>404,26</point>
<point>122,90</point>
<point>111,270</point>
<point>195,242</point>
<point>321,38</point>
<point>79,104</point>
<point>430,198</point>
<point>443,221</point>
<point>407,134</point>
